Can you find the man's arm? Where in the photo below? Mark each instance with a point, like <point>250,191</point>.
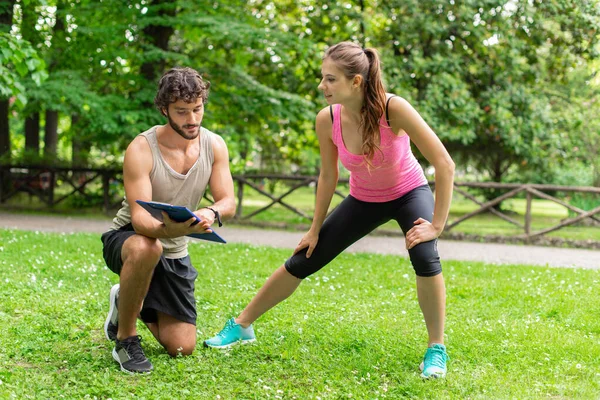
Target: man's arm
<point>221,184</point>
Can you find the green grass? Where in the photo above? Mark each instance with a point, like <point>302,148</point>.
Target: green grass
<point>354,330</point>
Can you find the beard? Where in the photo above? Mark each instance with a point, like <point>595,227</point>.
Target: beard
<point>180,129</point>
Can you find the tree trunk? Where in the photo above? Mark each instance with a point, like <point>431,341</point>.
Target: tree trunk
<point>158,36</point>
<point>30,15</point>
<point>51,135</point>
<point>32,134</point>
<point>363,34</point>
<point>6,18</point>
<point>79,144</point>
<point>6,15</point>
<point>58,44</point>
<point>4,130</point>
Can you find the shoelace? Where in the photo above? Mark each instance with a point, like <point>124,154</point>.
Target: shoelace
<point>437,357</point>
<point>227,328</point>
<point>133,347</point>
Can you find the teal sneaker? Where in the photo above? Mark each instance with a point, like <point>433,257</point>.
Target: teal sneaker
<point>434,362</point>
<point>231,335</point>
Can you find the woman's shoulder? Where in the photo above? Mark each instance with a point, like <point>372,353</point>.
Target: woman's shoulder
<point>325,116</point>
<point>397,105</point>
<point>324,121</point>
<point>395,100</point>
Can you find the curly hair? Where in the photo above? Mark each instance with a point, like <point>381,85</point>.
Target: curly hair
<point>180,84</point>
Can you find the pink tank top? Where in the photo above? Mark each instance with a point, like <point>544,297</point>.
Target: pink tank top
<point>393,174</point>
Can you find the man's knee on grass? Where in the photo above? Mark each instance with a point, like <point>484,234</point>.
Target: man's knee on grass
<point>179,347</point>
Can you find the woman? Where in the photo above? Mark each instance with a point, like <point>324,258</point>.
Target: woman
<point>370,132</point>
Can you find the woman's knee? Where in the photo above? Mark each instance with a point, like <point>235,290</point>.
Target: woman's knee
<point>425,259</point>
<point>299,271</point>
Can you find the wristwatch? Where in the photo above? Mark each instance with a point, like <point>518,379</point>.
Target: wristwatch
<point>217,216</point>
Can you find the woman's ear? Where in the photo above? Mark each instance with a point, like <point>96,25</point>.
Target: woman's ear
<point>357,81</point>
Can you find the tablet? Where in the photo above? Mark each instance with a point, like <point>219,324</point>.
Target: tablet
<point>178,214</point>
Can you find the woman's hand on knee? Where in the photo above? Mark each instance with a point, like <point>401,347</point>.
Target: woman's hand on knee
<point>309,240</point>
<point>423,231</point>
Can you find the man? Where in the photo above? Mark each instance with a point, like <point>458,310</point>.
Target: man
<point>172,163</point>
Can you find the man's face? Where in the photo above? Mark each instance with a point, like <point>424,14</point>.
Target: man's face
<point>185,118</point>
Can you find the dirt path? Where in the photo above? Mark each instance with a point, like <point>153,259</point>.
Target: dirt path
<point>449,250</point>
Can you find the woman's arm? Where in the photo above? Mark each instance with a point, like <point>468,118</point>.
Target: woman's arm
<point>404,117</point>
<point>328,178</point>
<point>329,174</point>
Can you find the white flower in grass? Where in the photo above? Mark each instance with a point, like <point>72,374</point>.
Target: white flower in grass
<point>578,366</point>
<point>33,278</point>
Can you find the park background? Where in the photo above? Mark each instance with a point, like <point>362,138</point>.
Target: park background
<point>511,88</point>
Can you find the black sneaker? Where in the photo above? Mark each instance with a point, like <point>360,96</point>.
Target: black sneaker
<point>129,354</point>
<point>111,325</point>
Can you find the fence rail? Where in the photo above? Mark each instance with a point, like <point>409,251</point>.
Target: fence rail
<point>42,182</point>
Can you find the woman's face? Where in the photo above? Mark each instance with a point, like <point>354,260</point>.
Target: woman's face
<point>334,84</point>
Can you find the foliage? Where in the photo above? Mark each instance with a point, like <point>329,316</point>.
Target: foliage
<point>479,73</point>
<point>18,60</point>
<point>507,85</point>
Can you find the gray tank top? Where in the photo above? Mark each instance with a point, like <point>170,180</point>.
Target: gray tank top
<point>169,186</point>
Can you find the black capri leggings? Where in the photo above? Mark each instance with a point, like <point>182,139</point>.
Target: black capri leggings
<point>354,219</point>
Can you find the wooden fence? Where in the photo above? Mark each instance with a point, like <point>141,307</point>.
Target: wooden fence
<point>44,182</point>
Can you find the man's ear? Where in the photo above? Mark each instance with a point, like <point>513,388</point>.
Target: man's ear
<point>163,111</point>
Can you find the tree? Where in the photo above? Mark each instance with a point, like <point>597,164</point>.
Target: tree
<point>6,16</point>
<point>17,61</point>
<point>477,71</point>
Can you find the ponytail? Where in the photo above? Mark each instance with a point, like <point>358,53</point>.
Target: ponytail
<point>373,106</point>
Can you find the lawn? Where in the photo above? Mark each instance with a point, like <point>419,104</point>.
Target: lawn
<point>353,330</point>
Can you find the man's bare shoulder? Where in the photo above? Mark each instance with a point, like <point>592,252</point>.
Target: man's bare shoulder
<point>139,143</point>
<point>219,147</point>
<point>138,155</point>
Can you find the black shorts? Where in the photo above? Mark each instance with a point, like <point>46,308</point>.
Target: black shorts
<point>171,289</point>
<point>353,219</point>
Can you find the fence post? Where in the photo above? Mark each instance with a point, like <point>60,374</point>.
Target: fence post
<point>51,192</point>
<point>528,215</point>
<point>2,184</point>
<point>106,191</point>
<point>240,197</point>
